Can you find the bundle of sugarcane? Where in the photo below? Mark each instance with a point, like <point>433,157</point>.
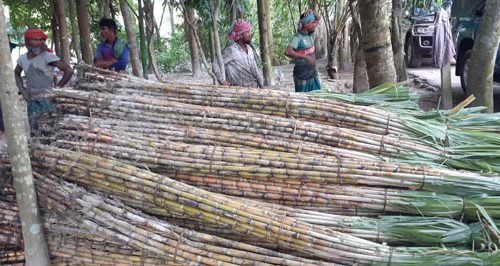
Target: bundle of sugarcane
<point>112,220</point>
<point>11,257</point>
<point>272,166</point>
<point>309,240</point>
<point>197,135</point>
<point>10,231</point>
<point>140,184</point>
<point>421,231</point>
<point>165,112</point>
<point>393,230</point>
<point>69,250</point>
<point>470,144</point>
<point>67,241</point>
<point>90,73</point>
<point>269,102</point>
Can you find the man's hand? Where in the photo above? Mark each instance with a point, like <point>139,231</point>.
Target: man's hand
<point>225,83</point>
<point>104,64</point>
<point>309,60</point>
<point>100,63</point>
<point>25,94</point>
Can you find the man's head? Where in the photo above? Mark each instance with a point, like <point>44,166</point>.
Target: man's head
<point>34,39</point>
<point>241,32</point>
<point>306,24</point>
<point>108,28</point>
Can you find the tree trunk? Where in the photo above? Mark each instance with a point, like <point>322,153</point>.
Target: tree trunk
<point>377,42</point>
<point>360,77</point>
<point>270,41</point>
<point>112,10</point>
<point>193,46</point>
<point>75,40</point>
<point>343,54</point>
<point>171,13</point>
<point>63,30</point>
<point>482,63</point>
<point>397,42</point>
<point>35,246</point>
<point>264,35</point>
<point>215,35</point>
<point>54,23</point>
<point>213,54</point>
<point>142,40</point>
<point>321,41</point>
<point>104,10</point>
<point>129,28</point>
<point>235,11</point>
<point>344,58</point>
<point>331,66</point>
<point>84,28</point>
<point>150,32</point>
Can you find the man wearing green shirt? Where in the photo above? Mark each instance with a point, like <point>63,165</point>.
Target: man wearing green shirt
<point>301,49</point>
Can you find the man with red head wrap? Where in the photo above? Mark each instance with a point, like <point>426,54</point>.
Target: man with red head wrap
<point>239,58</point>
<point>38,65</point>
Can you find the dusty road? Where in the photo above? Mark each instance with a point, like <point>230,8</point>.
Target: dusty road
<point>432,76</point>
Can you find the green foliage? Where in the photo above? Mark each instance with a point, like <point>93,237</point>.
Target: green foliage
<point>173,53</point>
<point>28,14</point>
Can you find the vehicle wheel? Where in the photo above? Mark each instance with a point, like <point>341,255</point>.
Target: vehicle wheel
<point>413,60</point>
<point>464,70</point>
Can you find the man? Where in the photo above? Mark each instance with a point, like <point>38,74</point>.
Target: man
<point>239,58</point>
<point>301,48</point>
<point>112,53</point>
<point>38,65</point>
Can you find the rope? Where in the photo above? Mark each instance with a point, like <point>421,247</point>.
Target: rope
<point>387,124</point>
<point>339,166</point>
<point>287,105</point>
<point>391,252</point>
<point>423,179</point>
<point>382,147</point>
<point>378,231</point>
<point>300,189</point>
<point>295,126</point>
<point>212,158</point>
<point>177,245</point>
<point>280,230</point>
<point>157,190</point>
<point>299,150</point>
<point>385,199</point>
<point>212,97</point>
<point>89,103</point>
<point>462,213</point>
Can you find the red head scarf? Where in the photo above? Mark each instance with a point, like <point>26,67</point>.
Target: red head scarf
<point>34,33</point>
<point>239,27</point>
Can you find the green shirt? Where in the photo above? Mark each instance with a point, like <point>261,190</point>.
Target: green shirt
<point>302,42</point>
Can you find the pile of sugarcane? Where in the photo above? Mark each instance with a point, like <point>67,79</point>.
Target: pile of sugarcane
<point>301,106</point>
<point>153,110</point>
<point>242,177</point>
<point>270,167</point>
<point>300,238</point>
<point>90,229</point>
<point>461,132</point>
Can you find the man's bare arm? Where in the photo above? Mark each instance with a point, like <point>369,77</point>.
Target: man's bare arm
<point>68,72</point>
<point>19,80</point>
<point>289,51</point>
<point>20,83</point>
<point>104,64</point>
